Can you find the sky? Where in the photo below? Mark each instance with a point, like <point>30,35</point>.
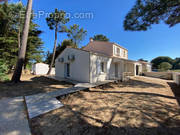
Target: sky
<point>106,17</point>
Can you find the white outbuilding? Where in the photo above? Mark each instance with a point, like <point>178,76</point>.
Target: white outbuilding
<point>40,69</point>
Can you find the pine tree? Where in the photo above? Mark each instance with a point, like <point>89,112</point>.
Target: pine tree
<point>76,34</point>
<point>9,36</point>
<point>100,37</point>
<point>22,52</point>
<point>56,21</point>
<point>148,12</point>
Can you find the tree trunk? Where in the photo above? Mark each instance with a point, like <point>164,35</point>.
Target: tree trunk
<point>54,52</point>
<point>22,52</point>
<point>19,31</point>
<point>19,37</point>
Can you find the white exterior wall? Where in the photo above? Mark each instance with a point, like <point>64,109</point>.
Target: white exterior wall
<point>130,67</point>
<point>149,67</point>
<point>79,68</point>
<point>120,69</point>
<point>176,78</point>
<point>40,69</point>
<point>95,73</point>
<point>121,54</point>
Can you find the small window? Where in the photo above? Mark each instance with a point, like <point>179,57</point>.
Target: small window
<point>124,53</point>
<point>118,51</point>
<point>102,67</point>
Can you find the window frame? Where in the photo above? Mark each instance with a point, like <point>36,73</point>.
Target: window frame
<point>102,67</point>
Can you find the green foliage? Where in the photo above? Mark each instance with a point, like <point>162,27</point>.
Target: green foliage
<point>76,34</point>
<point>100,37</point>
<point>143,60</point>
<point>164,66</point>
<point>3,71</point>
<point>57,20</point>
<point>60,48</point>
<point>157,61</point>
<point>148,12</point>
<point>11,24</point>
<point>176,64</point>
<point>34,46</point>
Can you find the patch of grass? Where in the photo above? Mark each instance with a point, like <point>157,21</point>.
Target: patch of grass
<point>3,71</point>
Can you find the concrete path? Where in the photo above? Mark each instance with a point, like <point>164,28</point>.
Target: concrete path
<point>42,103</point>
<point>13,119</point>
<point>41,107</point>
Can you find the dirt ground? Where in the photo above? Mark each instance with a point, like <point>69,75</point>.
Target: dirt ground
<point>142,106</point>
<point>30,84</point>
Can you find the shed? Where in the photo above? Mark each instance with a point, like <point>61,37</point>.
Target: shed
<point>40,69</point>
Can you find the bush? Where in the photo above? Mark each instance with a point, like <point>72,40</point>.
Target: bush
<point>164,66</point>
<point>157,61</point>
<point>3,71</point>
<point>177,66</point>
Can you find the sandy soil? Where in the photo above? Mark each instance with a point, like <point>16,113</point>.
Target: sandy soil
<point>30,84</point>
<point>142,106</point>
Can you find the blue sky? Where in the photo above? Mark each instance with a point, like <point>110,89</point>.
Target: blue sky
<point>108,17</point>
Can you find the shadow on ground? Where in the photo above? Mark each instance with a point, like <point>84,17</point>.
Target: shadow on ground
<point>32,86</point>
<point>99,112</point>
<point>130,83</point>
<point>176,90</point>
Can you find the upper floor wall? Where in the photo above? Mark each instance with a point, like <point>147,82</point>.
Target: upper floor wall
<point>120,52</point>
<point>107,48</point>
<point>100,47</point>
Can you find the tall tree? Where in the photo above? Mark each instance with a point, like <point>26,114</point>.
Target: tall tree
<point>21,57</point>
<point>148,12</point>
<point>100,37</point>
<point>8,32</point>
<point>59,49</point>
<point>56,21</point>
<point>76,34</point>
<point>34,46</point>
<point>9,37</point>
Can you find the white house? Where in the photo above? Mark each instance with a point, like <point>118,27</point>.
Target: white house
<point>98,61</point>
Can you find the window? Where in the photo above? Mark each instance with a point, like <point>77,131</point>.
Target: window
<point>118,51</point>
<point>124,53</point>
<point>102,67</point>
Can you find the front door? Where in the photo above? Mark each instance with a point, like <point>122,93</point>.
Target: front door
<point>116,70</point>
<point>137,70</point>
<point>67,70</point>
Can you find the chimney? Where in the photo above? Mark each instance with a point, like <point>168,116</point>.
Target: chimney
<point>91,40</point>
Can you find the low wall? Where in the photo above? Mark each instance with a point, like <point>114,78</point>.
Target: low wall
<point>176,78</point>
<point>161,75</point>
